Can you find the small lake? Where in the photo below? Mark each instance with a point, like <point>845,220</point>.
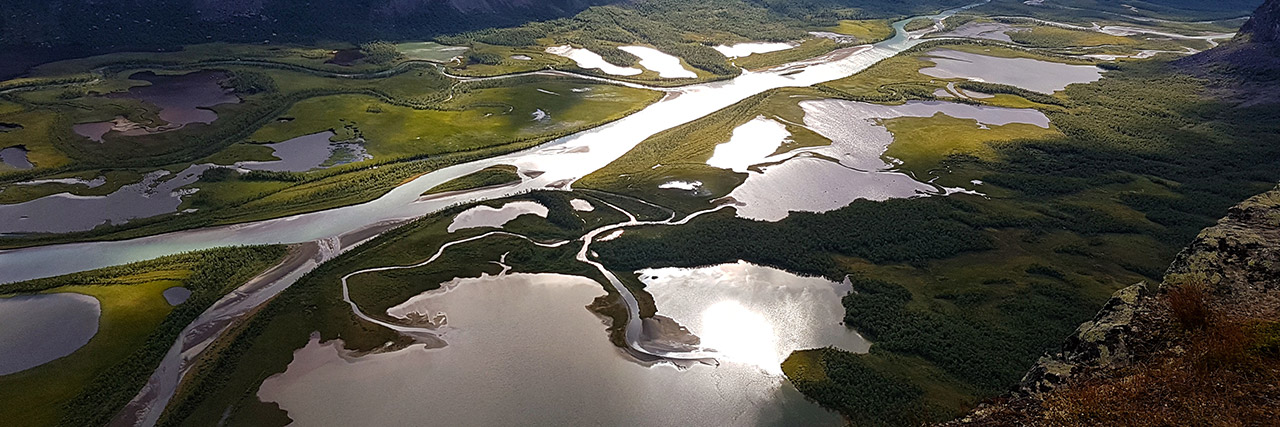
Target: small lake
<point>1030,74</point>
<point>36,329</point>
<point>485,216</point>
<point>581,205</point>
<point>747,49</point>
<point>15,157</point>
<point>176,295</point>
<point>182,99</point>
<point>588,59</point>
<point>96,130</point>
<point>667,66</point>
<point>309,152</point>
<point>751,143</point>
<point>752,314</point>
<point>819,179</point>
<point>522,349</point>
<point>156,194</point>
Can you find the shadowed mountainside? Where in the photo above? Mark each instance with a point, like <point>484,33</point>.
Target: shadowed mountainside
<point>1264,27</point>
<point>1200,348</point>
<point>1247,68</point>
<point>1203,346</point>
<point>171,22</point>
<point>37,31</point>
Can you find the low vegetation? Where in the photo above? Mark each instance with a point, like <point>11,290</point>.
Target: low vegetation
<point>487,177</point>
<point>917,144</point>
<point>919,24</point>
<point>1049,36</point>
<point>865,31</point>
<point>1226,375</point>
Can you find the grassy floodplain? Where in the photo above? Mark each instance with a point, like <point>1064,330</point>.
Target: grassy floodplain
<point>919,24</point>
<point>866,31</point>
<point>411,118</point>
<point>487,177</point>
<point>281,88</point>
<point>136,329</point>
<point>682,152</point>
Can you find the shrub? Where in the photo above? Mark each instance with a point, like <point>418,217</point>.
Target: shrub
<point>1189,306</point>
<point>380,52</point>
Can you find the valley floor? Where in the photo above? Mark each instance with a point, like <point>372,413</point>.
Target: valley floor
<point>939,208</point>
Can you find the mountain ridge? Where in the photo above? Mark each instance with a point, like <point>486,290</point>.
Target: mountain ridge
<point>174,22</point>
<point>1264,26</point>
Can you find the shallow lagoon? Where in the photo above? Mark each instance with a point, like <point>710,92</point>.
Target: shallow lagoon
<point>544,359</point>
<point>309,152</point>
<point>484,216</point>
<point>983,30</point>
<point>157,194</point>
<point>182,99</point>
<point>1030,74</point>
<point>667,66</point>
<point>753,314</point>
<point>747,49</point>
<point>751,143</point>
<point>36,329</point>
<point>15,157</point>
<point>819,179</point>
<point>589,59</point>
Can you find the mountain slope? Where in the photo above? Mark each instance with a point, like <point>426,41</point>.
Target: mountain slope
<point>1264,27</point>
<point>169,22</point>
<point>1247,68</point>
<point>1203,346</point>
<point>1200,348</point>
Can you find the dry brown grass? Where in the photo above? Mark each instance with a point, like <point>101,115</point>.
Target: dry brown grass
<point>1224,372</point>
<point>1189,305</point>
